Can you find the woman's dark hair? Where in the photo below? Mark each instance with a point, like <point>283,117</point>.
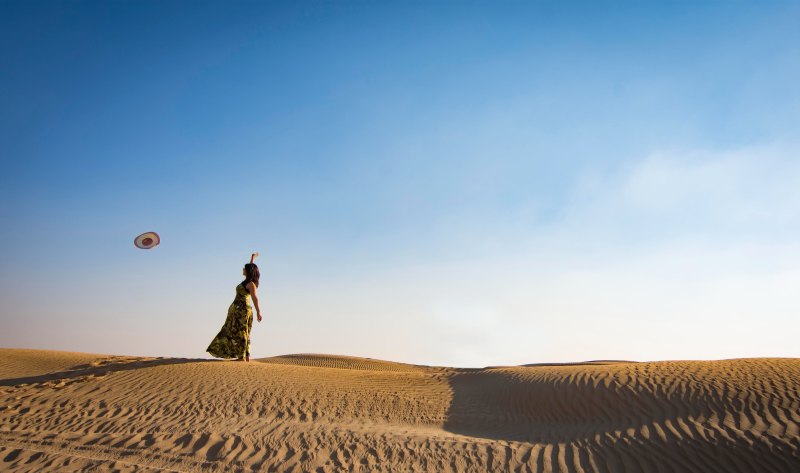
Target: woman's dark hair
<point>251,274</point>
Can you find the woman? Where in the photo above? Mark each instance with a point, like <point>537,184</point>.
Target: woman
<point>233,340</point>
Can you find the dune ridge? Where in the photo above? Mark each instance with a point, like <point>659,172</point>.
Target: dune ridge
<point>64,411</point>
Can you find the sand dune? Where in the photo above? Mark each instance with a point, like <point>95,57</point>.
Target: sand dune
<point>67,411</point>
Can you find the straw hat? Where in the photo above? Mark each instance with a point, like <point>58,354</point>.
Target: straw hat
<point>147,240</point>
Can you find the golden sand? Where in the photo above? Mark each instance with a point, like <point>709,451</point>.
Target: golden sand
<point>64,411</point>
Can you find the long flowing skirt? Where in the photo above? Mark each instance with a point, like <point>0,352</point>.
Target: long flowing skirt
<point>233,340</point>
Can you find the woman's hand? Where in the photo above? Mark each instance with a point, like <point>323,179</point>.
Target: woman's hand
<point>253,257</point>
<point>259,317</point>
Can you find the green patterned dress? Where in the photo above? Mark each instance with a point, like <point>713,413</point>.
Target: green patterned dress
<point>233,340</point>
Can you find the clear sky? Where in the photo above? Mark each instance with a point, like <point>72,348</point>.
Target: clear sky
<point>460,183</point>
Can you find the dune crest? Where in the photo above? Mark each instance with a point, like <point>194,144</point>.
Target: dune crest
<point>64,411</point>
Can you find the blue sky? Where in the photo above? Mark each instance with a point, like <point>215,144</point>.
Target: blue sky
<point>464,183</point>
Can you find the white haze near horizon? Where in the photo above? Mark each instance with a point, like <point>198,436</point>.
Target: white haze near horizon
<point>680,255</point>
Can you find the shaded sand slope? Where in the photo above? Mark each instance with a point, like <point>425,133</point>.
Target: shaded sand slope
<point>332,413</point>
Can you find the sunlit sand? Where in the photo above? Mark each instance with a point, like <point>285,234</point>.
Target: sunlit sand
<point>63,411</point>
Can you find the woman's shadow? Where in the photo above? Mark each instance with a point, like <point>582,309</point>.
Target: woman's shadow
<point>100,368</point>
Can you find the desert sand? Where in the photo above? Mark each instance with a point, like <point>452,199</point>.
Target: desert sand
<point>64,411</point>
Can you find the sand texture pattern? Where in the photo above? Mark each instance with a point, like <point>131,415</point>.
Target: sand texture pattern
<point>79,412</point>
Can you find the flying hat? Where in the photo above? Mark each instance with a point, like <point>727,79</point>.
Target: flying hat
<point>147,240</point>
